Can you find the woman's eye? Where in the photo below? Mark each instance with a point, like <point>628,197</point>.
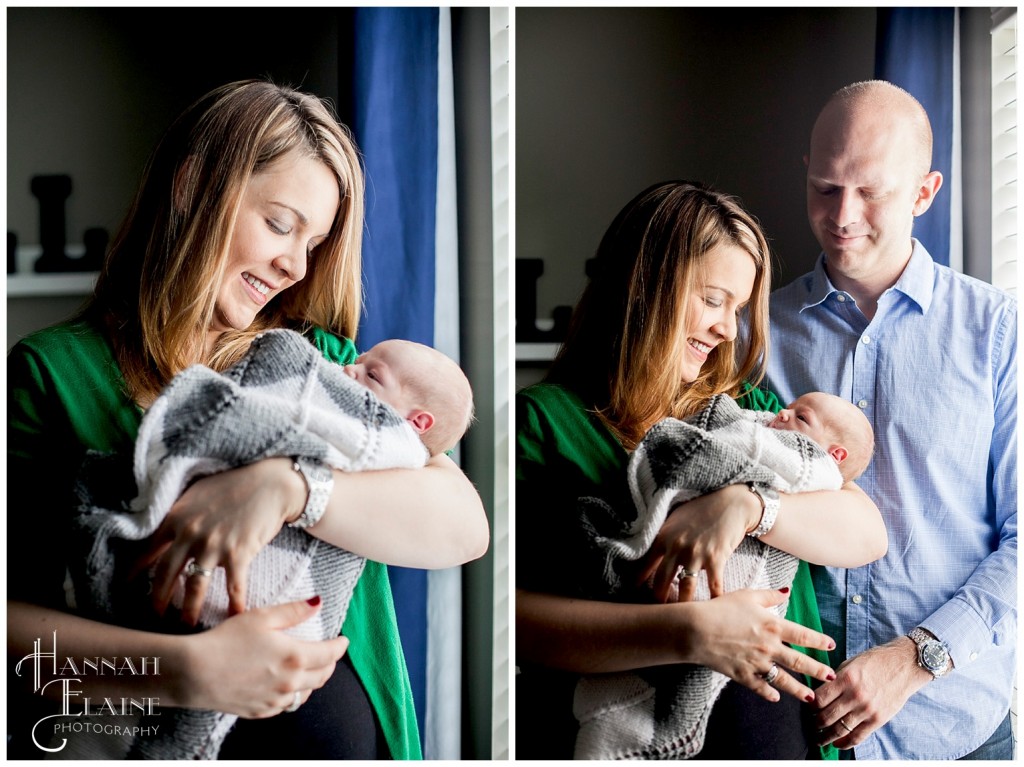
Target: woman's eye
<point>714,303</point>
<point>801,418</point>
<point>372,376</point>
<point>277,226</point>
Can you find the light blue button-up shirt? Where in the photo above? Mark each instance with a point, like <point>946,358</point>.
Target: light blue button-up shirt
<point>935,371</point>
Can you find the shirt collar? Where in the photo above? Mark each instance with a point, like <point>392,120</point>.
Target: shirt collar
<point>915,283</point>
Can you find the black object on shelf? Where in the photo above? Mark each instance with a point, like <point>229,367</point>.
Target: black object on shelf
<point>52,192</point>
<point>528,271</point>
<point>12,252</point>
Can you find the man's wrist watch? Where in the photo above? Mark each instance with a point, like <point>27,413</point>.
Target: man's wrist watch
<point>769,498</point>
<point>932,655</point>
<point>320,482</point>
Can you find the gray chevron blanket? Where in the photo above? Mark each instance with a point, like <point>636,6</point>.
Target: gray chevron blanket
<point>662,713</point>
<point>281,399</point>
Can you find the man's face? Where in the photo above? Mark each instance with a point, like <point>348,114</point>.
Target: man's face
<point>863,188</point>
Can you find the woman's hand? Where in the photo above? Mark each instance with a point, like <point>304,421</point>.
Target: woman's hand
<point>700,535</point>
<point>222,520</point>
<point>262,680</point>
<point>739,637</point>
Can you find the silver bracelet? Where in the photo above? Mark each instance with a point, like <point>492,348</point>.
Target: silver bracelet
<point>769,498</point>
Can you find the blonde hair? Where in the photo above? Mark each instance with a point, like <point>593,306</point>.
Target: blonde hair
<point>848,425</point>
<point>157,290</point>
<point>624,348</point>
<point>444,391</point>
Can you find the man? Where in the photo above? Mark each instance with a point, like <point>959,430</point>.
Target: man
<point>927,634</point>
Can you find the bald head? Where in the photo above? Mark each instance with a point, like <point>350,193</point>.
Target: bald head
<point>436,383</point>
<point>885,110</point>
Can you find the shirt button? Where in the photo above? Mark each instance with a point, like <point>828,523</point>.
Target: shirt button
<point>841,298</point>
<point>857,599</point>
<point>863,403</point>
<point>974,656</point>
<point>865,339</point>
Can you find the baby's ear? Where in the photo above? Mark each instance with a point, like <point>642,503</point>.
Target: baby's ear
<point>421,420</point>
<point>838,453</point>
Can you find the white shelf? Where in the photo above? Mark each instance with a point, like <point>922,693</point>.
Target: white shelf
<point>54,284</point>
<point>27,283</point>
<point>536,352</point>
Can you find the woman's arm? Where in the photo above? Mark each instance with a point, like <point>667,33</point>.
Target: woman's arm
<point>430,517</point>
<point>841,528</point>
<point>838,528</point>
<point>735,634</point>
<point>245,666</point>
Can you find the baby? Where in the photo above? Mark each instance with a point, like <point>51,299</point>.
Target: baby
<point>818,443</point>
<point>394,407</point>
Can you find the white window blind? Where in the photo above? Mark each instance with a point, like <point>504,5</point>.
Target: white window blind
<point>501,75</point>
<point>1004,150</point>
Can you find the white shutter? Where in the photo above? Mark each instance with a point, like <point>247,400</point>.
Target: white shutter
<point>1004,150</point>
<point>501,179</point>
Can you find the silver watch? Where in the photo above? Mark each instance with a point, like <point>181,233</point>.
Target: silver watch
<point>320,482</point>
<point>932,655</point>
<point>769,498</point>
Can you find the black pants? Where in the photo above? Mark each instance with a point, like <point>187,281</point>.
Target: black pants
<point>743,725</point>
<point>337,722</point>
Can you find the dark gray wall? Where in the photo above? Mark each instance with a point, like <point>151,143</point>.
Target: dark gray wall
<point>610,100</point>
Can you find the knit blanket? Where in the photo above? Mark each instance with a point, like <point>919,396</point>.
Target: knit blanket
<point>662,712</point>
<point>282,399</point>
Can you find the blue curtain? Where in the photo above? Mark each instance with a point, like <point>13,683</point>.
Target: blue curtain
<point>915,50</point>
<point>395,124</point>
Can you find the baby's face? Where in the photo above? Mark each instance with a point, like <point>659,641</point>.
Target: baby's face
<point>384,370</point>
<point>809,415</point>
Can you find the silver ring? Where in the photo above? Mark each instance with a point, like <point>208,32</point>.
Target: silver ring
<point>193,569</point>
<point>845,726</point>
<point>684,573</point>
<point>772,675</point>
<point>295,703</point>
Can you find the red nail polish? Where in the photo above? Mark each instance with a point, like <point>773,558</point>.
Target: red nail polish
<point>314,601</point>
<point>784,589</point>
<point>831,646</point>
<point>809,697</point>
<point>831,677</point>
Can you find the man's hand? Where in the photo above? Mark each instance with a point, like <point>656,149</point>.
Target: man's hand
<point>868,691</point>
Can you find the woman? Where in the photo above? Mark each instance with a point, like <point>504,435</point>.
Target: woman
<point>249,217</point>
<point>654,335</point>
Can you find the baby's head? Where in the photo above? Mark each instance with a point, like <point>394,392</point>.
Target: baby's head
<point>838,426</point>
<point>427,387</point>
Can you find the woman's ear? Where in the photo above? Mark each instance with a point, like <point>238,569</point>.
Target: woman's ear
<point>838,453</point>
<point>421,420</point>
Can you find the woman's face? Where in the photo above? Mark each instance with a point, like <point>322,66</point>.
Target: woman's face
<point>724,284</point>
<point>287,210</point>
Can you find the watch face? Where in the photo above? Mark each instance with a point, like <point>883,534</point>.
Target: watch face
<point>934,656</point>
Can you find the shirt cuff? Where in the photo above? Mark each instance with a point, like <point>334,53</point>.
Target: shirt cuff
<point>962,630</point>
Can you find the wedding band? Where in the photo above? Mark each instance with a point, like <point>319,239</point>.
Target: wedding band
<point>684,573</point>
<point>772,675</point>
<point>845,726</point>
<point>193,569</point>
<point>295,703</point>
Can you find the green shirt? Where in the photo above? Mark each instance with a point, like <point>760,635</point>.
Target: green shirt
<point>564,452</point>
<point>65,395</point>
